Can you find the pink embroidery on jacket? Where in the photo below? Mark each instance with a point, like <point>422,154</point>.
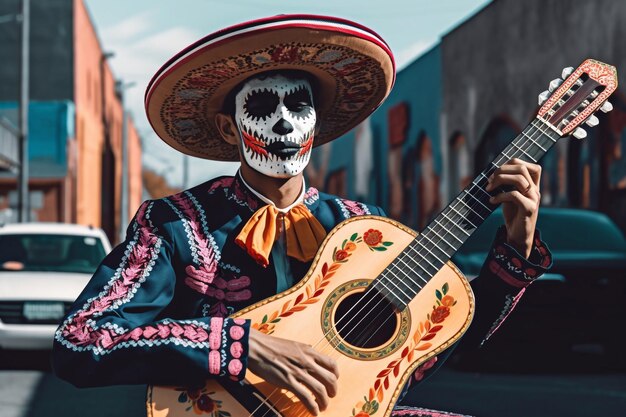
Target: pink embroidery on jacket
<point>77,330</point>
<point>420,372</point>
<point>243,196</point>
<point>201,242</point>
<point>234,290</point>
<point>400,411</point>
<point>235,190</point>
<point>160,331</point>
<point>352,208</point>
<point>141,217</point>
<point>311,196</point>
<point>198,277</point>
<point>80,332</point>
<point>225,182</point>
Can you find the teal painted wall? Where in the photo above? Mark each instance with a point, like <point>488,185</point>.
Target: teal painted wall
<point>50,125</point>
<point>418,90</point>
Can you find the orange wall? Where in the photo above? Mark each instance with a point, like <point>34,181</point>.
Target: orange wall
<point>135,183</point>
<point>92,75</point>
<point>89,128</point>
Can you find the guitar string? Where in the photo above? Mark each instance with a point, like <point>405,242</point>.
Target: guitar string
<point>419,254</point>
<point>504,156</point>
<point>460,216</point>
<point>535,123</point>
<point>445,230</point>
<point>542,150</point>
<point>368,333</point>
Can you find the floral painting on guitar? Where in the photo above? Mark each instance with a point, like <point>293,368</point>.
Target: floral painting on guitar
<point>373,240</point>
<point>426,331</point>
<point>200,402</point>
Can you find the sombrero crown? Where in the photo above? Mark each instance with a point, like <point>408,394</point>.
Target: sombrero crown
<point>353,67</point>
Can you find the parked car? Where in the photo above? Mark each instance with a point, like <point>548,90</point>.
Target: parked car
<point>43,269</point>
<point>579,306</point>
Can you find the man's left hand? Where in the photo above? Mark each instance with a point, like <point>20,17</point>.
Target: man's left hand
<point>520,201</point>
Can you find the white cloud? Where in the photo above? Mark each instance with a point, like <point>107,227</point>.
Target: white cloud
<point>128,28</point>
<point>138,57</point>
<point>140,49</point>
<point>408,55</point>
<point>166,42</point>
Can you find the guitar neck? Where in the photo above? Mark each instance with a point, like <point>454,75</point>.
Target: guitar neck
<point>447,232</point>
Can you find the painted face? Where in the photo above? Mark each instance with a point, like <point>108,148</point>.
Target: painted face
<point>276,122</point>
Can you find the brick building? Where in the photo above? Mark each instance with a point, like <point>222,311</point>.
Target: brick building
<point>76,119</point>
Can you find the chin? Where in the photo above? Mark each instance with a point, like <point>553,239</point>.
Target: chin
<point>283,175</point>
<point>279,169</point>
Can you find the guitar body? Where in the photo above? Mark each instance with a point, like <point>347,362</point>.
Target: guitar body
<point>329,308</point>
<point>319,311</point>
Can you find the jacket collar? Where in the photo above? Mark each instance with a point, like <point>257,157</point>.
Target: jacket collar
<point>247,200</point>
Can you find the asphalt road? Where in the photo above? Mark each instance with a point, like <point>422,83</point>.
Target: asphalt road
<point>28,389</point>
<point>514,395</point>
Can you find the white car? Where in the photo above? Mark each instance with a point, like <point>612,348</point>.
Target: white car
<point>43,269</point>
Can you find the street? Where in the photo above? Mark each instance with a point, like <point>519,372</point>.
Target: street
<point>28,389</point>
<point>515,395</point>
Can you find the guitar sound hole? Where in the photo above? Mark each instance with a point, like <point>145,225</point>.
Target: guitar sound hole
<point>365,319</point>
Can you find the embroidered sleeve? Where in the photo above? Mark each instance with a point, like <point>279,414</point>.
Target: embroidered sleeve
<point>511,267</point>
<point>118,332</point>
<point>501,284</point>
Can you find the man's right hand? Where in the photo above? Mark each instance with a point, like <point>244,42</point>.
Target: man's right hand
<point>297,367</point>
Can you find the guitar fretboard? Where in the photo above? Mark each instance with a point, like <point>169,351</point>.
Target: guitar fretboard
<point>447,232</point>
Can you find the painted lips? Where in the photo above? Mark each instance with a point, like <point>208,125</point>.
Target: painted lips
<point>283,150</point>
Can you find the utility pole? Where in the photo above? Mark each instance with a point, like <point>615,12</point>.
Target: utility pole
<point>23,196</point>
<point>185,171</point>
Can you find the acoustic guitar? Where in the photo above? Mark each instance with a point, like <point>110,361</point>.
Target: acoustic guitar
<point>381,299</point>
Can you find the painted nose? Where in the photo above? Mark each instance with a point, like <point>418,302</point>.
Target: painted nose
<point>282,127</point>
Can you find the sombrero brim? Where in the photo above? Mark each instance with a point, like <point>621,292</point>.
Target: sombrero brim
<point>354,68</point>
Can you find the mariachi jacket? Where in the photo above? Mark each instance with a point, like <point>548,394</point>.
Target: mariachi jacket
<point>156,310</point>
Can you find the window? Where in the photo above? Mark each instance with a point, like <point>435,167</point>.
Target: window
<point>47,252</point>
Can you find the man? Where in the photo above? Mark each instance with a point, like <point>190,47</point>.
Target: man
<point>263,93</point>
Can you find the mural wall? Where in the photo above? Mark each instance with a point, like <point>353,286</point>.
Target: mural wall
<point>494,66</point>
<point>396,154</point>
<point>458,105</point>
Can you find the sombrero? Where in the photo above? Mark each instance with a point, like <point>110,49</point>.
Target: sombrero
<point>353,67</point>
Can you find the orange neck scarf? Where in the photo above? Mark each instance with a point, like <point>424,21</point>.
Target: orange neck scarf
<point>304,233</point>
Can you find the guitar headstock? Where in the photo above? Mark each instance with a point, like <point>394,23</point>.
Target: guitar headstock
<point>573,100</point>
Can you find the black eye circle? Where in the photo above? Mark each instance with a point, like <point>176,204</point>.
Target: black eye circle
<point>261,104</point>
<point>299,102</point>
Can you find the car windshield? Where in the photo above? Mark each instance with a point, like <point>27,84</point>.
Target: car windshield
<point>48,252</point>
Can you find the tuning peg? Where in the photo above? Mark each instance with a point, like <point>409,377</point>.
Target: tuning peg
<point>567,72</point>
<point>606,107</point>
<point>543,97</point>
<point>592,121</point>
<point>580,133</point>
<point>554,84</point>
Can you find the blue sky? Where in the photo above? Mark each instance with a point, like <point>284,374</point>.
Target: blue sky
<point>143,34</point>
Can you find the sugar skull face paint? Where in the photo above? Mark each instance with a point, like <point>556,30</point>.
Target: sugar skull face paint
<point>276,122</point>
